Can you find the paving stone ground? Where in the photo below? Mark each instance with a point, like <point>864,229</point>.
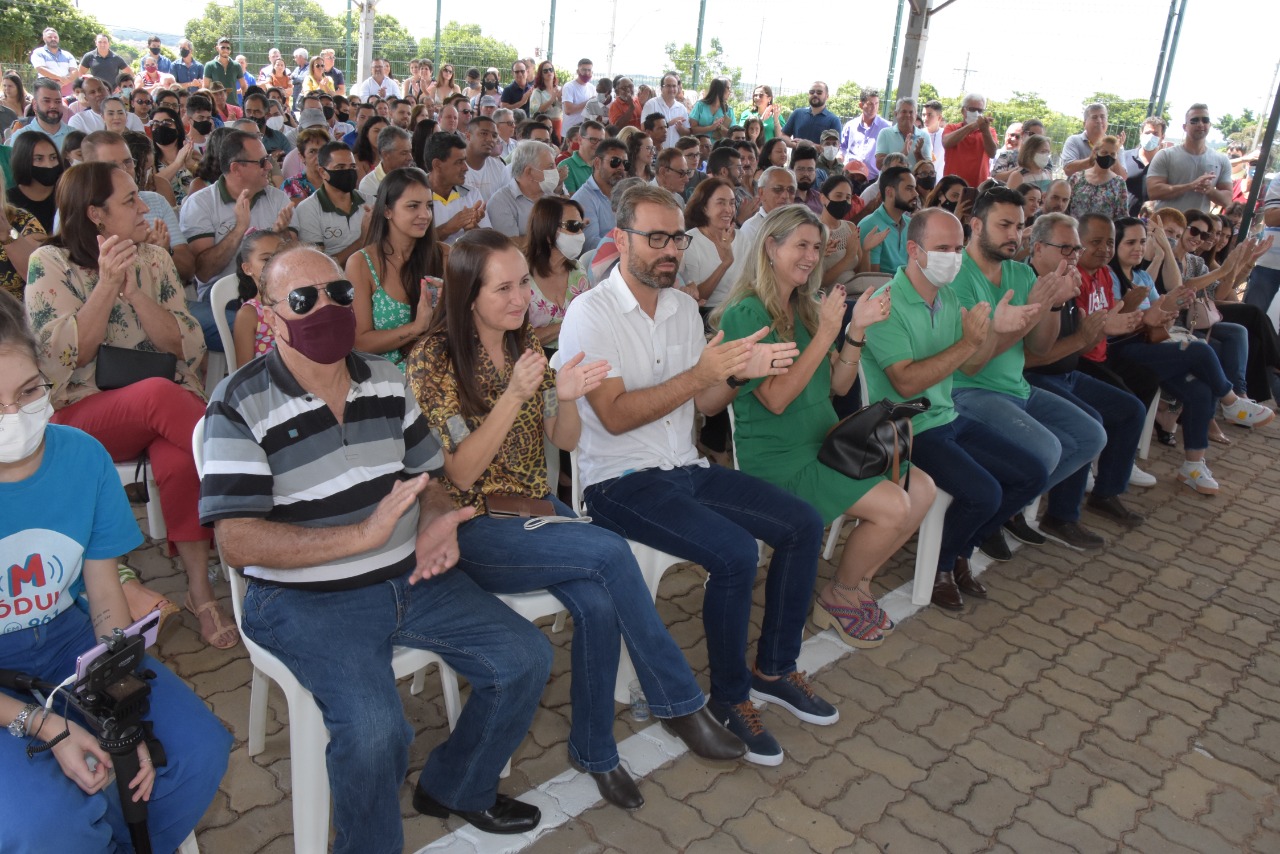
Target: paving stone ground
<point>1121,701</point>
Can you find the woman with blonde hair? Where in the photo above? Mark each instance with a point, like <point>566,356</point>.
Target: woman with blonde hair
<point>315,80</point>
<point>781,421</point>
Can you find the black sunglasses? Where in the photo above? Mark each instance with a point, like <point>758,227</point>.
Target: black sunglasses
<point>573,226</point>
<point>615,162</point>
<point>1195,232</point>
<point>261,163</point>
<point>302,300</point>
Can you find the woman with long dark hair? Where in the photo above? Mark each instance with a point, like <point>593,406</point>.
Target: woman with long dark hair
<point>712,115</point>
<point>398,275</point>
<point>176,160</point>
<point>366,147</point>
<point>483,382</point>
<point>37,167</point>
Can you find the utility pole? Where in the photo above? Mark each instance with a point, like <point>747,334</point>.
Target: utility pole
<point>240,34</point>
<point>551,33</point>
<point>365,59</point>
<point>1264,159</point>
<point>346,49</point>
<point>1257,134</point>
<point>613,29</point>
<point>436,53</point>
<point>1164,49</point>
<point>1173,50</point>
<point>697,47</point>
<point>913,47</point>
<point>893,58</point>
<point>275,25</point>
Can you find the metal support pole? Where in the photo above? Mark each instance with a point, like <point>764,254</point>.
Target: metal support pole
<point>551,33</point>
<point>1275,75</point>
<point>436,53</point>
<point>1264,160</point>
<point>893,59</point>
<point>275,25</point>
<point>913,45</point>
<point>1164,49</point>
<point>1173,51</point>
<point>346,49</point>
<point>240,35</point>
<point>697,47</point>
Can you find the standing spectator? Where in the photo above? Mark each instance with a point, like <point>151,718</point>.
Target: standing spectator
<point>970,143</point>
<point>1264,280</point>
<point>517,94</point>
<point>1190,176</point>
<point>224,70</point>
<point>904,137</point>
<point>103,62</point>
<point>577,92</point>
<point>163,62</point>
<point>712,115</point>
<point>333,72</point>
<point>301,68</point>
<point>671,107</point>
<point>624,111</point>
<point>54,63</point>
<point>933,124</point>
<point>188,71</point>
<point>546,97</point>
<point>767,113</point>
<point>808,125</point>
<point>858,140</point>
<point>1099,189</point>
<point>1136,161</point>
<point>446,84</point>
<point>1008,155</point>
<point>1077,151</point>
<point>264,73</point>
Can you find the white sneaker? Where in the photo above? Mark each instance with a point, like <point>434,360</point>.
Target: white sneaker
<point>1245,413</point>
<point>1138,477</point>
<point>1197,476</point>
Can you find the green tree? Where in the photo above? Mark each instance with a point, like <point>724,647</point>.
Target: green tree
<point>22,23</point>
<point>301,23</point>
<point>712,64</point>
<point>1230,125</point>
<point>1122,114</point>
<point>465,46</point>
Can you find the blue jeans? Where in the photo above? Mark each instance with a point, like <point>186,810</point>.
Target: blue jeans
<point>988,477</point>
<point>1121,415</point>
<point>202,311</point>
<point>339,645</point>
<point>713,517</point>
<point>1264,283</point>
<point>1191,373</point>
<point>1063,438</point>
<point>593,572</point>
<point>42,810</point>
<point>1231,342</point>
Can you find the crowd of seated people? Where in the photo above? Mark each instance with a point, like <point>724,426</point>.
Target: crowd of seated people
<point>439,281</point>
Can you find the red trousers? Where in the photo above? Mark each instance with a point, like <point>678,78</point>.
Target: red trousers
<point>155,416</point>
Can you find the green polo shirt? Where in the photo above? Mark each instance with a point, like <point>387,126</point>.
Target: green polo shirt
<point>579,172</point>
<point>913,331</point>
<point>891,254</point>
<point>228,77</point>
<point>1004,372</point>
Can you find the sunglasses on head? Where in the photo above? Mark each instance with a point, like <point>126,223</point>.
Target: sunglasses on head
<point>302,300</point>
<point>615,162</point>
<point>573,226</point>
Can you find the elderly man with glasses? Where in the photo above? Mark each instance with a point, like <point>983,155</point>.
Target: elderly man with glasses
<point>672,109</point>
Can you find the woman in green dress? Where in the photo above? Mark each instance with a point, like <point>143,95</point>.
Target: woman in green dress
<point>782,420</point>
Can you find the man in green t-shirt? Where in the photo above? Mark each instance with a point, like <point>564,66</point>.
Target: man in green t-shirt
<point>1062,435</point>
<point>224,70</point>
<point>916,351</point>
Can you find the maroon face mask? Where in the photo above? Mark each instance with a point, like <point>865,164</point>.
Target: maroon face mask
<point>324,336</point>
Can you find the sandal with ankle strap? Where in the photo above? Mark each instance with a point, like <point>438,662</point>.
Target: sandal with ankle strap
<point>225,635</point>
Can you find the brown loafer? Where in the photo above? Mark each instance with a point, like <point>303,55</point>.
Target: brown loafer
<point>968,585</point>
<point>945,593</point>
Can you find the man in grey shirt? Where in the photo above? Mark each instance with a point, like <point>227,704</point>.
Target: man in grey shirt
<point>1190,176</point>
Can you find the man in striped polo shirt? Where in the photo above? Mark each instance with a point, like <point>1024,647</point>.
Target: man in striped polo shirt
<point>315,479</point>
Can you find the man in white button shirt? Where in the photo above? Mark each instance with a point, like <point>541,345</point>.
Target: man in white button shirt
<point>378,83</point>
<point>646,481</point>
<point>672,109</point>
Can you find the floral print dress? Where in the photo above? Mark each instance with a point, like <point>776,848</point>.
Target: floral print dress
<point>547,312</point>
<point>1110,199</point>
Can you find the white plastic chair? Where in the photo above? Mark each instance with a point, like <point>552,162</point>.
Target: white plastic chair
<point>222,364</point>
<point>189,845</point>
<point>1144,444</point>
<point>127,470</point>
<point>653,565</point>
<point>867,281</point>
<point>308,736</point>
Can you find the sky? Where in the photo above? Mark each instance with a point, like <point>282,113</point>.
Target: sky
<point>1064,50</point>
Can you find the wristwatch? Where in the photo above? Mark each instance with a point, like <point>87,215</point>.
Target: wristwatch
<point>18,726</point>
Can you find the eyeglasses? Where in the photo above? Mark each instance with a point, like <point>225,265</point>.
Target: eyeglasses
<point>1067,249</point>
<point>31,400</point>
<point>683,173</point>
<point>1199,120</point>
<point>660,239</point>
<point>548,71</point>
<point>1195,232</point>
<point>302,300</point>
<point>573,226</point>
<point>464,112</point>
<point>615,162</point>
<point>146,102</point>
<point>261,163</point>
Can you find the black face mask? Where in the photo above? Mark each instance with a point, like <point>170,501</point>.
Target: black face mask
<point>927,182</point>
<point>343,180</point>
<point>491,85</point>
<point>859,184</point>
<point>328,112</point>
<point>155,51</point>
<point>839,210</point>
<point>203,128</point>
<point>1106,161</point>
<point>184,53</point>
<point>46,176</point>
<point>342,117</point>
<point>948,205</point>
<point>164,135</point>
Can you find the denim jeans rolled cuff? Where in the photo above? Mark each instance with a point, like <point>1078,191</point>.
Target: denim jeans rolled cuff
<point>1230,342</point>
<point>594,574</point>
<point>713,516</point>
<point>339,646</point>
<point>988,479</point>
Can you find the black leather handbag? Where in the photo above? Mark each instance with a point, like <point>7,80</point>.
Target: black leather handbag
<point>873,441</point>
<point>117,367</point>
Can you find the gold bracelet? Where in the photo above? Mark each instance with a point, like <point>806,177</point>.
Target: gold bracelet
<point>843,362</point>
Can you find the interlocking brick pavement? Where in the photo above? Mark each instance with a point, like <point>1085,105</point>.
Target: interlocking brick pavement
<point>1125,700</point>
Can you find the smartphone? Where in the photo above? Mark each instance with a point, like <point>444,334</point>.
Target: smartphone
<point>148,627</point>
<point>968,196</point>
<point>433,286</point>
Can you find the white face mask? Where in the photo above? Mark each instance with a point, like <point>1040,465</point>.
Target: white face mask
<point>830,152</point>
<point>943,268</point>
<point>550,180</point>
<point>971,116</point>
<point>570,245</point>
<point>275,122</point>
<point>1149,141</point>
<point>1041,159</point>
<point>21,434</point>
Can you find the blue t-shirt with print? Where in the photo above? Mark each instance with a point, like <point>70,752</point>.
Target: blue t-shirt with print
<point>71,510</point>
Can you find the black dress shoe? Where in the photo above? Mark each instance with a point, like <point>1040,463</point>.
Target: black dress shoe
<point>945,593</point>
<point>965,581</point>
<point>507,815</point>
<point>995,547</point>
<point>706,736</point>
<point>615,786</point>
<point>1115,509</point>
<point>1072,534</point>
<point>1018,528</point>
